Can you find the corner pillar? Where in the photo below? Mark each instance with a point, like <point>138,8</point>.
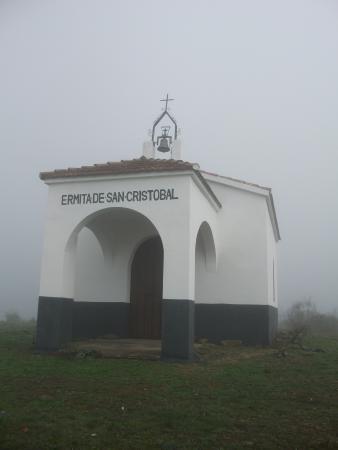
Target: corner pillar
<point>178,306</point>
<point>54,324</point>
<point>55,309</point>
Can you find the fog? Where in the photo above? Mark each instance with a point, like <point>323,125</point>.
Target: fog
<point>256,97</point>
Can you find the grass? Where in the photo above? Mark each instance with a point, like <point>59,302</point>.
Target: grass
<point>238,398</point>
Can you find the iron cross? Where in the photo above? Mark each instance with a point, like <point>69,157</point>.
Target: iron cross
<point>166,100</point>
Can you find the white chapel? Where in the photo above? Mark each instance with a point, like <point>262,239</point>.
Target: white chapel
<point>157,248</point>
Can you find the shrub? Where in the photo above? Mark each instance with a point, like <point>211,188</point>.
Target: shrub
<point>303,318</point>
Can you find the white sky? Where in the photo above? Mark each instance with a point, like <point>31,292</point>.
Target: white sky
<point>256,89</point>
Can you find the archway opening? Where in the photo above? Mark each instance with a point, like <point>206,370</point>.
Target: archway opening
<point>146,290</point>
<point>118,276</point>
<point>205,261</point>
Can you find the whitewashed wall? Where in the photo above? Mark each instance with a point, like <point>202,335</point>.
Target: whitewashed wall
<point>229,261</point>
<point>242,273</point>
<point>174,220</point>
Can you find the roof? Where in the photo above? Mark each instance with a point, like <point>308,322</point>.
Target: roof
<point>121,167</point>
<point>236,180</point>
<point>135,166</point>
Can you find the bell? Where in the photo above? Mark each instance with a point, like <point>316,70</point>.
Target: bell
<point>164,146</point>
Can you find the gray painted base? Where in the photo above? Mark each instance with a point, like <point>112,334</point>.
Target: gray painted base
<point>60,320</point>
<point>178,329</point>
<point>251,324</point>
<point>54,324</point>
<point>93,319</point>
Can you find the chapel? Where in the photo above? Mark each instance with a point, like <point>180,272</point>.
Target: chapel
<point>157,248</point>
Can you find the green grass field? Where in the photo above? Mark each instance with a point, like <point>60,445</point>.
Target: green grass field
<point>238,398</point>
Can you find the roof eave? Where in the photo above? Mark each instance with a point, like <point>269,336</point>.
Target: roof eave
<point>273,217</point>
<point>237,184</point>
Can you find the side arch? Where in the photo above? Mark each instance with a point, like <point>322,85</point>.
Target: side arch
<point>205,239</point>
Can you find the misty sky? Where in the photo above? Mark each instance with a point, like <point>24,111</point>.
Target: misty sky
<point>256,89</point>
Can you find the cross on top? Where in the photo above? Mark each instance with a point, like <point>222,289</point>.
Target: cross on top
<point>166,100</point>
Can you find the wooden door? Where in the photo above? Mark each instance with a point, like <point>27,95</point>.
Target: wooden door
<point>146,290</point>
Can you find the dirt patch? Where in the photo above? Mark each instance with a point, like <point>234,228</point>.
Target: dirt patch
<point>109,347</point>
<point>150,349</point>
<point>228,351</point>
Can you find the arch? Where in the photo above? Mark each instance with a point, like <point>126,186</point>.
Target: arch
<point>114,220</point>
<point>85,221</point>
<point>205,238</point>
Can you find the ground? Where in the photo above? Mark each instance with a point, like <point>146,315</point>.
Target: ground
<point>234,397</point>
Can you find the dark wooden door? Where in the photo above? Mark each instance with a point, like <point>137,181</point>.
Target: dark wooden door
<point>146,290</point>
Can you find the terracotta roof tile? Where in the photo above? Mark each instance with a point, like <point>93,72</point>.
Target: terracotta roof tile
<point>235,179</point>
<point>122,167</point>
